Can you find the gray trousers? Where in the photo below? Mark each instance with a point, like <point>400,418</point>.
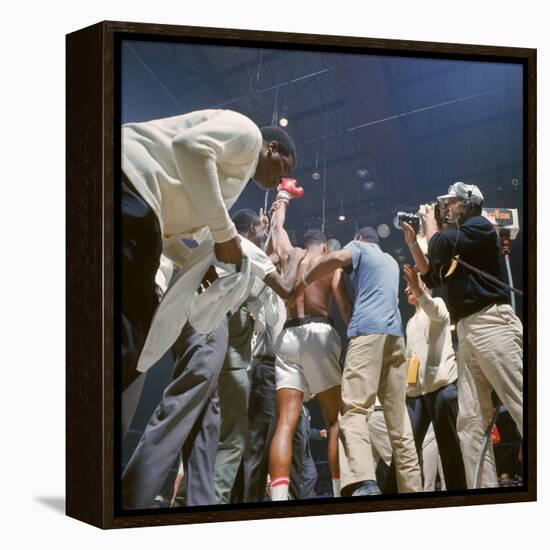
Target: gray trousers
<point>186,420</point>
<point>233,390</point>
<point>262,417</point>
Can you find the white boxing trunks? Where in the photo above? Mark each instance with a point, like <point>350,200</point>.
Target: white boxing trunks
<point>307,355</point>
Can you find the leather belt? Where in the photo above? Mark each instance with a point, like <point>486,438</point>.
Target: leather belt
<point>264,358</point>
<point>300,321</point>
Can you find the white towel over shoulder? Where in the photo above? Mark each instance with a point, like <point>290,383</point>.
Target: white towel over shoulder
<point>182,303</point>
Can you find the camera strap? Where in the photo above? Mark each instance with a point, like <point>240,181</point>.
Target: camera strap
<point>456,260</point>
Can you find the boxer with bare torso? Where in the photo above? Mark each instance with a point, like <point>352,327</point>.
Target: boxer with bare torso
<point>307,354</point>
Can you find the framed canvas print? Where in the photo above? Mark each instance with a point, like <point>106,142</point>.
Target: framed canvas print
<point>300,274</point>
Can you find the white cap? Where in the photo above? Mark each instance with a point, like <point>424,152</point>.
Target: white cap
<point>463,191</point>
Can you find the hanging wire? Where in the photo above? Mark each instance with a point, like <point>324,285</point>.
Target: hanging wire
<point>276,86</point>
<point>324,189</point>
<point>273,123</point>
<point>275,106</point>
<point>324,163</point>
<point>341,199</point>
<point>259,66</point>
<point>408,113</point>
<point>153,74</point>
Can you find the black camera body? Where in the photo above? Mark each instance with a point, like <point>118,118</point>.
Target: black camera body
<point>412,219</point>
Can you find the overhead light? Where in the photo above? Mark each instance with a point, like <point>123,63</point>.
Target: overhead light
<point>368,185</point>
<point>363,173</point>
<point>383,230</point>
<point>283,121</point>
<point>316,175</point>
<point>342,217</point>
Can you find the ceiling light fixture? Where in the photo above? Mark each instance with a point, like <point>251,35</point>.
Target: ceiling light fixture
<point>368,185</point>
<point>316,175</point>
<point>383,230</point>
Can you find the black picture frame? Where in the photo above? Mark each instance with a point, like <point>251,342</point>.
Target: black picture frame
<point>92,167</point>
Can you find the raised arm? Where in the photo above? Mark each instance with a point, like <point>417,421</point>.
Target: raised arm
<point>283,284</point>
<point>435,309</point>
<point>420,259</point>
<point>278,240</point>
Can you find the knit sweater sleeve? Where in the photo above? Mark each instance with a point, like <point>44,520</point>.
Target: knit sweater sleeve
<point>434,308</point>
<point>229,138</point>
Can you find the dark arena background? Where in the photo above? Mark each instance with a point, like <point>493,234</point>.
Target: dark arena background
<point>375,135</point>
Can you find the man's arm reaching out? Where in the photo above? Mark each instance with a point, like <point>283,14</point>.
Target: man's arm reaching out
<point>284,284</point>
<point>330,263</point>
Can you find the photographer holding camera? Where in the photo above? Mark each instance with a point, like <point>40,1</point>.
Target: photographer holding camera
<point>490,335</point>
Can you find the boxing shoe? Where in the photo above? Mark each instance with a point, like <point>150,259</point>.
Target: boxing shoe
<point>367,488</point>
<point>289,189</point>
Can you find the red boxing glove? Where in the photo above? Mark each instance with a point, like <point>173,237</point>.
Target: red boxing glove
<point>289,189</point>
<point>495,436</point>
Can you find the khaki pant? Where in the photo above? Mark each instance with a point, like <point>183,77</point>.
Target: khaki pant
<point>375,364</point>
<point>490,356</point>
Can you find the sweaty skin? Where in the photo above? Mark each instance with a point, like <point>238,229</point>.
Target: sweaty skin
<point>315,300</point>
<point>317,297</point>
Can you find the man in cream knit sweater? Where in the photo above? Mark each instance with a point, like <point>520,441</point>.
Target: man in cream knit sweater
<point>431,393</point>
<point>181,175</point>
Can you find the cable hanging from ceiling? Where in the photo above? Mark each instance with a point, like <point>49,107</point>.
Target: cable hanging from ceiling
<point>323,102</point>
<point>401,115</point>
<point>274,117</point>
<point>274,87</point>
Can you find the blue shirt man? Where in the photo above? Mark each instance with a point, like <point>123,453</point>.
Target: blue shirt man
<point>375,278</point>
<point>375,365</point>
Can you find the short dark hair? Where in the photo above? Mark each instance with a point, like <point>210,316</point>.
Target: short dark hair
<point>368,234</point>
<point>244,218</point>
<point>313,236</point>
<point>282,137</point>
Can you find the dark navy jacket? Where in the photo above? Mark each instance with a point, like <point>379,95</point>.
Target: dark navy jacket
<point>477,243</point>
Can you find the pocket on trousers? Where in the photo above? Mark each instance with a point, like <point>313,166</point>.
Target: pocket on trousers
<point>506,313</point>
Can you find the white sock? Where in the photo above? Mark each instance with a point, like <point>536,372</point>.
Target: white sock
<point>336,486</point>
<point>279,488</point>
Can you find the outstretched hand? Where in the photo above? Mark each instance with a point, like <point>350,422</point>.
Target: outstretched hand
<point>411,276</point>
<point>409,233</point>
<point>427,213</point>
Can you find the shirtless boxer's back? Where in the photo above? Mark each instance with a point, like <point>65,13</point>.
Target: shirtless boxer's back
<point>307,356</point>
